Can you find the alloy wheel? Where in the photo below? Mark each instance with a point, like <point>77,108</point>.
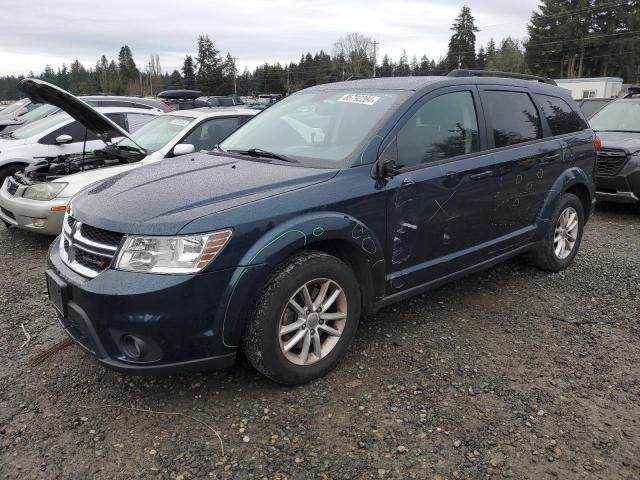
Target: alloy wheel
<point>313,321</point>
<point>566,233</point>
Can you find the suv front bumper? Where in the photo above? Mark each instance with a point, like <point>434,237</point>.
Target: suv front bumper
<point>143,323</point>
<point>623,187</point>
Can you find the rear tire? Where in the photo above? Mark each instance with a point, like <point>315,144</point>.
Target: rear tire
<point>303,319</point>
<point>563,237</point>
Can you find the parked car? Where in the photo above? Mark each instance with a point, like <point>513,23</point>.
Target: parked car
<point>217,101</point>
<point>280,240</point>
<point>618,166</point>
<point>44,110</point>
<point>180,99</point>
<point>62,134</point>
<point>17,109</point>
<point>36,198</point>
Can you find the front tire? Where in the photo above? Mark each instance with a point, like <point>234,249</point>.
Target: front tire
<point>304,319</point>
<point>563,237</point>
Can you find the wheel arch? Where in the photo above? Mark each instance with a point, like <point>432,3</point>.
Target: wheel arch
<point>337,234</point>
<point>573,180</point>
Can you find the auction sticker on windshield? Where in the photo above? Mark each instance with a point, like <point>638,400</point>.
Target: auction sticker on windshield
<point>359,99</point>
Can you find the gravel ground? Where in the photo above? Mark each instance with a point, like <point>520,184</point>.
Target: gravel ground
<point>510,373</point>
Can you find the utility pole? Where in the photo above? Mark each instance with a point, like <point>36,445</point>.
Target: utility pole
<point>288,84</point>
<point>150,65</point>
<point>235,77</point>
<point>375,60</point>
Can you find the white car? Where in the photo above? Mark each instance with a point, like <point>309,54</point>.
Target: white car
<point>29,201</point>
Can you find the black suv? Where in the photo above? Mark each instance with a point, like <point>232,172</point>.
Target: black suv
<point>618,165</point>
<point>337,201</point>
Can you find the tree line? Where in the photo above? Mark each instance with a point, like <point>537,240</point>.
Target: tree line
<point>566,39</point>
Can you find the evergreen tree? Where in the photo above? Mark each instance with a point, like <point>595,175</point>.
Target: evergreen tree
<point>174,81</point>
<point>462,46</point>
<point>403,69</point>
<point>209,67</point>
<point>386,68</point>
<point>189,73</point>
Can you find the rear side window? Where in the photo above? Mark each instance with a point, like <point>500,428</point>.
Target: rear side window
<point>560,116</point>
<point>444,127</point>
<point>513,117</point>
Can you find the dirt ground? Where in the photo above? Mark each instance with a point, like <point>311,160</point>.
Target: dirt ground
<point>510,373</point>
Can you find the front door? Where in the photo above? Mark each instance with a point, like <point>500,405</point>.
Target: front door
<point>439,202</point>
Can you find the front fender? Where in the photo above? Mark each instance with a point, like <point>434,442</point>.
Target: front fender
<point>279,243</point>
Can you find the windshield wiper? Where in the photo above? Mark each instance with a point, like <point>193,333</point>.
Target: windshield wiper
<point>131,149</point>
<point>260,153</point>
<point>7,135</point>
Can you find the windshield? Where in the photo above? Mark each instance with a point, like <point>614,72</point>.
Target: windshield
<point>617,116</point>
<point>39,126</point>
<point>157,133</point>
<point>40,112</point>
<point>319,128</point>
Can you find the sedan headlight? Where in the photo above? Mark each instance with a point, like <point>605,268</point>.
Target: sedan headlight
<point>44,191</point>
<point>181,254</point>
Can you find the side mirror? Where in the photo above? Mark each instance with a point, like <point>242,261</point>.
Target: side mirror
<point>64,139</point>
<point>183,149</point>
<point>387,165</point>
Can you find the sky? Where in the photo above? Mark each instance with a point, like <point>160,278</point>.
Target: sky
<point>34,33</point>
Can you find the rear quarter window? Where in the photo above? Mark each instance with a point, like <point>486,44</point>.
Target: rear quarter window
<point>562,119</point>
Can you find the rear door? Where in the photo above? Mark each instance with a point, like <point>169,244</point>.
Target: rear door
<point>439,202</point>
<point>525,158</point>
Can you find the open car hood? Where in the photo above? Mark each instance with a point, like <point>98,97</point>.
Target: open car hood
<point>39,91</point>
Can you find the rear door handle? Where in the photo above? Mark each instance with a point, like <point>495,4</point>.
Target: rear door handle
<point>481,175</point>
<point>551,157</point>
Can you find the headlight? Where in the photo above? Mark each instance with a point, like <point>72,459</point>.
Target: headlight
<point>181,254</point>
<point>44,191</point>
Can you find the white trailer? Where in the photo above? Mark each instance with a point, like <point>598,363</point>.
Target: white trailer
<point>601,87</point>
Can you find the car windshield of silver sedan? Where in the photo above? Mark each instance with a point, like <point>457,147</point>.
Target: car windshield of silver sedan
<point>156,134</point>
<point>617,117</point>
<point>315,128</point>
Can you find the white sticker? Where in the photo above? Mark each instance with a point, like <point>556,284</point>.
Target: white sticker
<point>359,99</point>
<point>181,123</point>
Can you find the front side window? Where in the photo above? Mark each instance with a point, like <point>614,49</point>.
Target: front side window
<point>74,129</point>
<point>444,127</point>
<point>513,116</point>
<point>209,134</point>
<point>620,116</point>
<point>560,116</point>
<point>317,128</point>
<point>157,133</point>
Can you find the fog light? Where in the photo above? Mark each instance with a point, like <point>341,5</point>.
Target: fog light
<point>133,347</point>
<point>39,222</point>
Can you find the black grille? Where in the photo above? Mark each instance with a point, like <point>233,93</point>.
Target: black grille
<point>610,161</point>
<point>92,261</point>
<point>12,187</point>
<point>8,213</point>
<point>71,221</point>
<point>105,237</point>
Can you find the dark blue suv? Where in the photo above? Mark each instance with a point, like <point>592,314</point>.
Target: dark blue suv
<point>333,203</point>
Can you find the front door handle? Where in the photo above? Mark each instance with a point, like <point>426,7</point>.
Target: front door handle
<point>481,175</point>
<point>551,157</point>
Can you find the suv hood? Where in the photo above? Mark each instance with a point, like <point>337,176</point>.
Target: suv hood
<point>628,141</point>
<point>39,91</point>
<point>161,198</point>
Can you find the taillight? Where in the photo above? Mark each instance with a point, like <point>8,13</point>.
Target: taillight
<point>597,144</point>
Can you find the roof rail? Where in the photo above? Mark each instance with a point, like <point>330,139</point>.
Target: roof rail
<point>490,73</point>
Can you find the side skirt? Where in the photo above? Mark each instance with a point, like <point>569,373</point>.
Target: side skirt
<point>397,297</point>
